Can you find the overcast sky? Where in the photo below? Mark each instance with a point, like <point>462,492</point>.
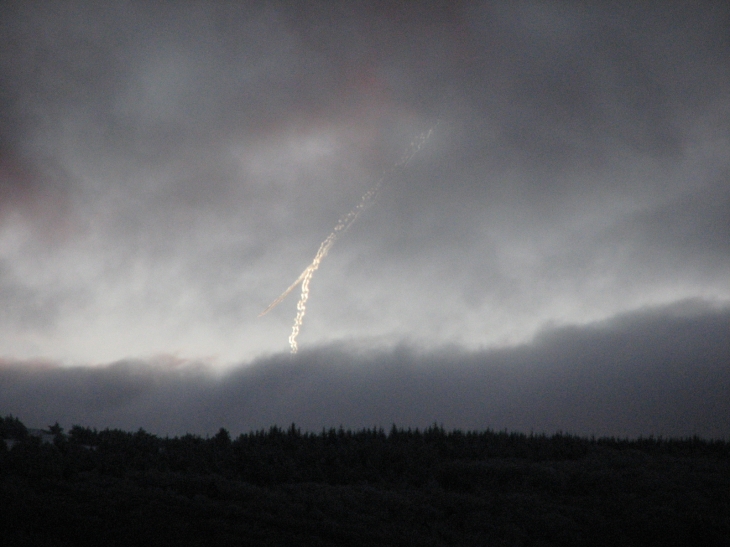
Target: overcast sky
<point>167,169</point>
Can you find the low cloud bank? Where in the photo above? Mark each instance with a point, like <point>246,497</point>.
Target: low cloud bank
<point>655,372</point>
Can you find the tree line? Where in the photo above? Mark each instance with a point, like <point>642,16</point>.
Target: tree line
<point>359,487</point>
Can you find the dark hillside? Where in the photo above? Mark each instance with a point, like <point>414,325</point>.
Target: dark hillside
<point>367,487</point>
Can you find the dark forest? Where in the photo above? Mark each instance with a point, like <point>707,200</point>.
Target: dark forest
<point>283,486</point>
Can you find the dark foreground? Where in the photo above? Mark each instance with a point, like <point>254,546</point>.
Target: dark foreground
<point>431,487</point>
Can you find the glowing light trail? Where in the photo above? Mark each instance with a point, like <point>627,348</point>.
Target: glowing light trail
<point>342,225</point>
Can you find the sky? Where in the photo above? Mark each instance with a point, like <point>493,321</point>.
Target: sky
<point>555,256</point>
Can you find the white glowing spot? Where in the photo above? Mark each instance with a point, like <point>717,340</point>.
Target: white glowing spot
<point>342,225</point>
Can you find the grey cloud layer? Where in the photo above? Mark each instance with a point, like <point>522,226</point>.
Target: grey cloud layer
<point>166,170</point>
<point>658,372</point>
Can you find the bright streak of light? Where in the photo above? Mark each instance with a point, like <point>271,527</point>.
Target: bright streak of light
<point>342,225</point>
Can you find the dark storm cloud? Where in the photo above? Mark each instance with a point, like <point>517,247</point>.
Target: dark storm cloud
<point>167,169</point>
<point>140,101</point>
<point>553,84</point>
<point>657,372</point>
<point>577,79</point>
<point>694,228</point>
<point>575,124</point>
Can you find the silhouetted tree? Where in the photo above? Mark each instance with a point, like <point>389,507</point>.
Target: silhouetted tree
<point>12,428</point>
<point>222,439</point>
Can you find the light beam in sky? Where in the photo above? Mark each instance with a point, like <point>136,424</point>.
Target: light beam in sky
<point>342,225</point>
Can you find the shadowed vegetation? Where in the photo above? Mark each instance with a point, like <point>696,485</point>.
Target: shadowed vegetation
<point>366,487</point>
